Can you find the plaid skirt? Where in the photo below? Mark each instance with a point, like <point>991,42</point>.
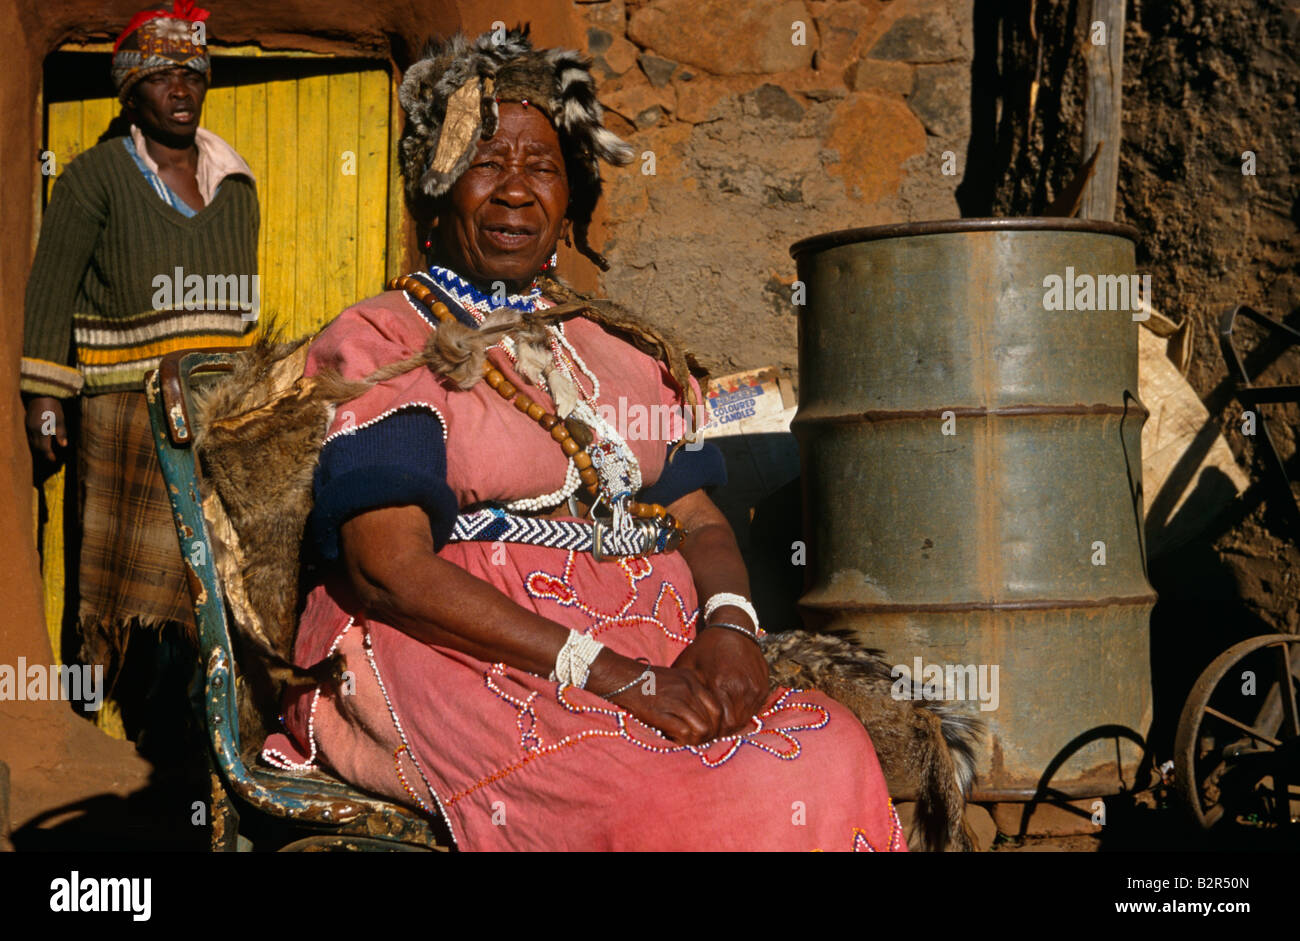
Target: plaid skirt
<point>130,571</point>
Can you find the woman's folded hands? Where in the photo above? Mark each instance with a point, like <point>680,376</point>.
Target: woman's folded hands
<point>675,701</point>
<point>733,671</point>
<point>713,689</point>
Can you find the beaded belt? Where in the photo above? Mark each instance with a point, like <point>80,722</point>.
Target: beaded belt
<point>641,537</point>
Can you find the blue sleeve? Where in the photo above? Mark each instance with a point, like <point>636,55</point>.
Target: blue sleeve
<point>398,461</point>
<point>687,472</point>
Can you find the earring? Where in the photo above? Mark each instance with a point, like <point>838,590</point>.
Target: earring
<point>550,263</point>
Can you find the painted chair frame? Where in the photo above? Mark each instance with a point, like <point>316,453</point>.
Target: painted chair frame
<point>330,814</point>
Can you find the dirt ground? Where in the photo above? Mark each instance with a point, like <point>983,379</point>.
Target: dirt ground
<point>159,817</point>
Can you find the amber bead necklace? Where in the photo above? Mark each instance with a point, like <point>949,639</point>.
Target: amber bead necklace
<point>548,420</point>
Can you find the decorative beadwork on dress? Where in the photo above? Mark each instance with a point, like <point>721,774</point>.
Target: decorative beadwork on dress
<point>478,303</point>
<point>406,745</point>
<point>397,766</point>
<point>352,429</point>
<point>896,844</point>
<point>278,759</point>
<point>560,588</point>
<point>628,728</point>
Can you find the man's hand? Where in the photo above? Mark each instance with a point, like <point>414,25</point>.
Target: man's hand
<point>45,426</point>
<point>733,669</point>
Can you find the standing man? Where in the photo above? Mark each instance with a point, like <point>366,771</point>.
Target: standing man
<point>149,245</point>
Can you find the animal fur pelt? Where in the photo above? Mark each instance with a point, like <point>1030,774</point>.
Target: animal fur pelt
<point>450,98</point>
<point>926,749</point>
<point>259,432</point>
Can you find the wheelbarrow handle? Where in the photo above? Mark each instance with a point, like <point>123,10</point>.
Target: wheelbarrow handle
<point>1252,397</point>
<point>1228,320</point>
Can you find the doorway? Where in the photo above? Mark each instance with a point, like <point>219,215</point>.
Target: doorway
<point>319,133</point>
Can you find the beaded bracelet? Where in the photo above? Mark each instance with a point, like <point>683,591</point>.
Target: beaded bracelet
<point>640,677</point>
<point>725,598</point>
<point>573,662</point>
<point>734,627</point>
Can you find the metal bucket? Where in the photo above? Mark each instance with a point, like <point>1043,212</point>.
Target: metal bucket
<point>972,484</point>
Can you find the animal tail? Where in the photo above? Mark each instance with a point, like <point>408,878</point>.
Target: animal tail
<point>925,748</point>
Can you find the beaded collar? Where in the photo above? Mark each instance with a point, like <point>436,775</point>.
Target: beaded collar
<point>477,302</point>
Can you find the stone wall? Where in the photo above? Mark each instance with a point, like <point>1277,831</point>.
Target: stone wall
<point>757,139</point>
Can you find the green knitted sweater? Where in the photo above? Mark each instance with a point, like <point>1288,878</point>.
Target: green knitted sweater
<point>121,278</point>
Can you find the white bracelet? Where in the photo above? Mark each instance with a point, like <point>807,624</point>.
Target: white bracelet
<point>573,662</point>
<point>724,598</point>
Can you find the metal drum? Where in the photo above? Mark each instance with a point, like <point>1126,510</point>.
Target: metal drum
<point>972,483</point>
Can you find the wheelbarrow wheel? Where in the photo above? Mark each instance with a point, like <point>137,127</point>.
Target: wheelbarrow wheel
<point>1237,751</point>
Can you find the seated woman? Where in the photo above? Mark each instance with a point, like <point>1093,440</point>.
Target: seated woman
<point>516,582</point>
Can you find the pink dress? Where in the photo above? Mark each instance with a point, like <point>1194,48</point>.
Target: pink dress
<point>510,759</point>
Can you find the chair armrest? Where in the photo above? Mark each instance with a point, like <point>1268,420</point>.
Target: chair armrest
<point>173,382</point>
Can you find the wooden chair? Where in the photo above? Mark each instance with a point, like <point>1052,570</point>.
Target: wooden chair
<point>329,814</point>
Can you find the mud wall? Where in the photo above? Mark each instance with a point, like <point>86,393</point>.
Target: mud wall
<point>1212,91</point>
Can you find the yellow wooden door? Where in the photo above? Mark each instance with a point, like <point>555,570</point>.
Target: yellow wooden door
<point>317,134</point>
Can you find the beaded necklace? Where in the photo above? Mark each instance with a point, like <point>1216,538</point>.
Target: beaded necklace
<point>616,465</point>
<point>609,475</point>
<point>478,303</point>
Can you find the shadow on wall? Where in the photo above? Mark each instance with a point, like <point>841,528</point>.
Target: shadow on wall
<point>1018,146</point>
<point>761,501</point>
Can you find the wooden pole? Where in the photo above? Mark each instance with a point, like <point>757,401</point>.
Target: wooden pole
<point>1104,59</point>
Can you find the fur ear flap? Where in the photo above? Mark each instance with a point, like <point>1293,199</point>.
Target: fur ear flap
<point>416,91</point>
<point>514,43</point>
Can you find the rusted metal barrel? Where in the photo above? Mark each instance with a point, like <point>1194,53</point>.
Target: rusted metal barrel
<point>972,473</point>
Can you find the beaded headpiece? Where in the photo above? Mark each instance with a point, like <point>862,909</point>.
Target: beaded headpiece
<point>155,40</point>
<point>450,97</point>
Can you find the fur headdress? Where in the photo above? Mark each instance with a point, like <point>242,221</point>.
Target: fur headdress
<point>450,97</point>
